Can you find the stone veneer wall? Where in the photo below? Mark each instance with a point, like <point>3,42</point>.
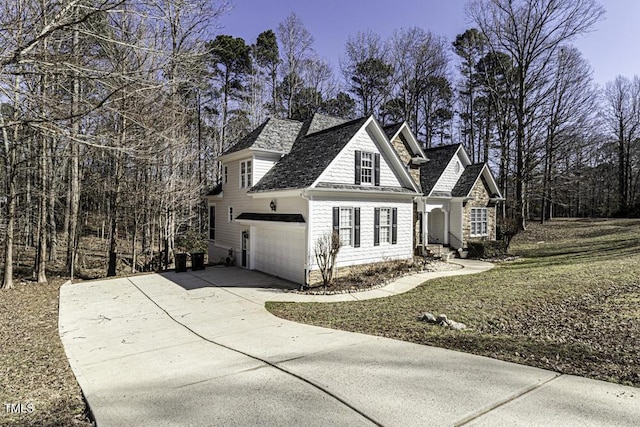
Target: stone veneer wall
<point>405,155</point>
<point>481,198</point>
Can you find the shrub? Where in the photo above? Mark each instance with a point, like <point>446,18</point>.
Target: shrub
<point>487,249</point>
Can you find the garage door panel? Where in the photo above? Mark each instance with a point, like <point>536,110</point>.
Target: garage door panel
<point>281,252</point>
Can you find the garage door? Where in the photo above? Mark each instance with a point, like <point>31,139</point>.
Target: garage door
<point>280,252</point>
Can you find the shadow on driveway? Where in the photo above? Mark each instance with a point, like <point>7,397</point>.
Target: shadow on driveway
<point>227,277</point>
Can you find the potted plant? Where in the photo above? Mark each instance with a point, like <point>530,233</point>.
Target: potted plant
<point>463,252</point>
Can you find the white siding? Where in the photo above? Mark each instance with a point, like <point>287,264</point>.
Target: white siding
<point>455,225</point>
<point>228,234</point>
<point>450,177</point>
<point>261,165</point>
<point>342,170</point>
<point>367,252</point>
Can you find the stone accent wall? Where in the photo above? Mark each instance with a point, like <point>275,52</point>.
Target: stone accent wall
<point>405,154</point>
<point>481,199</point>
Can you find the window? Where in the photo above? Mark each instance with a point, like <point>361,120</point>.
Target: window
<point>230,213</point>
<point>385,225</point>
<point>367,168</point>
<point>212,222</point>
<point>346,222</point>
<point>226,175</point>
<point>478,222</point>
<point>245,174</point>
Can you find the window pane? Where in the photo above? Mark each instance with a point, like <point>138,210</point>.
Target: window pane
<point>367,168</point>
<point>346,226</point>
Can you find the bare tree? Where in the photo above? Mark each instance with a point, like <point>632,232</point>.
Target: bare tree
<point>531,33</point>
<point>326,250</point>
<point>296,48</point>
<point>622,115</point>
<point>566,114</point>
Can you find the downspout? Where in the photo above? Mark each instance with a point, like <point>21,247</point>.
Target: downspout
<point>307,264</point>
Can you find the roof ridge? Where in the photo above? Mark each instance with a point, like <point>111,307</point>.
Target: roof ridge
<point>333,128</point>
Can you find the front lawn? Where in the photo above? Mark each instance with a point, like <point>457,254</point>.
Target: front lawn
<point>570,303</point>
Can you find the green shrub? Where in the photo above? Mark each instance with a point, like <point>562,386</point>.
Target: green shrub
<point>488,249</point>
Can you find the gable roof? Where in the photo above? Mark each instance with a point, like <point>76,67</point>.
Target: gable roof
<point>439,159</point>
<point>273,135</point>
<point>392,130</point>
<point>308,158</point>
<point>467,180</point>
<point>319,122</point>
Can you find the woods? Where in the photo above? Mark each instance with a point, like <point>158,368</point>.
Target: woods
<point>113,111</point>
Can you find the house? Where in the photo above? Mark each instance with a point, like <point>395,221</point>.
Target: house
<point>287,183</point>
<point>459,198</point>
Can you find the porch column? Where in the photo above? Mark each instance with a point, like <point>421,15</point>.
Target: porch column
<point>425,228</point>
<point>446,226</point>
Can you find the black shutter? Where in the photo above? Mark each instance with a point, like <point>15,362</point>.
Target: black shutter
<point>358,167</point>
<point>376,169</point>
<point>394,226</point>
<point>356,227</point>
<point>336,220</point>
<point>376,226</point>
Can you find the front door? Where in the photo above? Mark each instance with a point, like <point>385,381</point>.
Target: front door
<point>245,248</point>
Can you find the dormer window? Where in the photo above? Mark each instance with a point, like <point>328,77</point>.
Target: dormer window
<point>367,168</point>
<point>245,174</point>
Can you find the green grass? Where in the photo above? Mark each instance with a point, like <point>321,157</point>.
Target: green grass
<point>570,303</point>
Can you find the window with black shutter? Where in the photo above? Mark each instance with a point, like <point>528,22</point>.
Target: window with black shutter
<point>356,227</point>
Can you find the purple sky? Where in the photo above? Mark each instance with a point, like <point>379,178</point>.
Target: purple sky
<point>612,48</point>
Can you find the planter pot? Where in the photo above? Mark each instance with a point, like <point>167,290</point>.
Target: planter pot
<point>463,254</point>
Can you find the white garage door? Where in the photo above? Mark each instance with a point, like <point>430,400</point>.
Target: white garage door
<point>281,252</point>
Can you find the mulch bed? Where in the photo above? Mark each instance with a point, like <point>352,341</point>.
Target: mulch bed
<point>372,276</point>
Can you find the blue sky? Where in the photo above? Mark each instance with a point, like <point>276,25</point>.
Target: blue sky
<point>612,48</point>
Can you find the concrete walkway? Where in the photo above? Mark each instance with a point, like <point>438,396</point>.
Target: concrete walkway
<point>199,348</point>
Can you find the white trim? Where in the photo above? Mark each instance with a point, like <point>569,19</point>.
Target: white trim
<point>260,223</point>
<point>276,193</point>
<point>363,194</point>
<point>411,139</point>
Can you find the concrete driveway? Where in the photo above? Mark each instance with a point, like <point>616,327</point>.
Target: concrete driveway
<point>198,348</point>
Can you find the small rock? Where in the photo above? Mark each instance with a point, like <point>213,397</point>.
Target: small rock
<point>457,326</point>
<point>441,320</point>
<point>427,317</point>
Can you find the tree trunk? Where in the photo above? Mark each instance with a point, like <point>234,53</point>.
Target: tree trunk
<point>74,175</point>
<point>42,220</point>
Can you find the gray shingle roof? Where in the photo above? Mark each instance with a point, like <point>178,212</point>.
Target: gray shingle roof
<point>321,122</point>
<point>364,188</point>
<point>467,179</point>
<point>273,135</point>
<point>391,130</point>
<point>439,159</point>
<point>308,158</point>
